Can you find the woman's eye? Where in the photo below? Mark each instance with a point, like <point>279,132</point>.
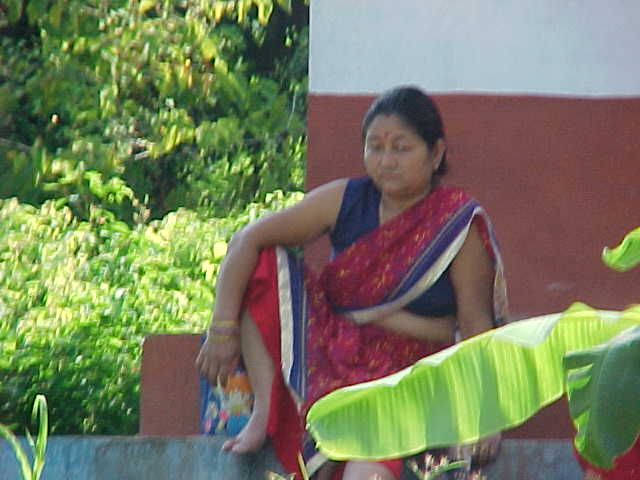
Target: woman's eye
<point>402,148</point>
<point>374,147</point>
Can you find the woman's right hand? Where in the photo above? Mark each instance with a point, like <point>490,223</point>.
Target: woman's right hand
<point>218,357</point>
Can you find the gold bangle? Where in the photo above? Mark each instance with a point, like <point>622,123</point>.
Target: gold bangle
<point>220,338</point>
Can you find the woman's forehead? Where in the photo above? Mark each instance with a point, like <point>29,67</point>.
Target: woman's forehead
<point>389,126</point>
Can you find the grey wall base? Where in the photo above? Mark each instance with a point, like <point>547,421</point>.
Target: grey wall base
<point>200,458</point>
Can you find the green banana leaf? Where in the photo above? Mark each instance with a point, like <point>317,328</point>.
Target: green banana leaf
<point>626,255</point>
<point>604,393</point>
<point>483,385</point>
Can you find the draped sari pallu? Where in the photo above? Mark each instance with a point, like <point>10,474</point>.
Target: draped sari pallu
<point>319,328</point>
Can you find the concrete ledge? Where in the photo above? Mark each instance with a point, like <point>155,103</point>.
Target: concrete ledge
<point>200,458</point>
<point>141,458</point>
<point>525,459</point>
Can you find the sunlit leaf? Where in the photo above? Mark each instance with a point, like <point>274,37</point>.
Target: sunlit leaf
<point>285,5</point>
<point>219,9</point>
<point>241,8</point>
<point>483,385</point>
<point>146,5</point>
<point>264,11</point>
<point>219,249</point>
<point>208,48</point>
<point>626,255</point>
<point>40,412</point>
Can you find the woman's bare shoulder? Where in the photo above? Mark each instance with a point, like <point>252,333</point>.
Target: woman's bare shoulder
<point>303,222</point>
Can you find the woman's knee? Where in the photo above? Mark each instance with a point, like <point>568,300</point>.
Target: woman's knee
<point>367,471</point>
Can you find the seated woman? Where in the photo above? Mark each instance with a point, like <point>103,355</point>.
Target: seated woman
<point>414,264</point>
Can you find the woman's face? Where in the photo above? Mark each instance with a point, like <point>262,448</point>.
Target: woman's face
<point>398,160</point>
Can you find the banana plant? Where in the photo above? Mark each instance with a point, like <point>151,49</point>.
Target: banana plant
<point>497,380</point>
<point>602,380</point>
<point>626,255</point>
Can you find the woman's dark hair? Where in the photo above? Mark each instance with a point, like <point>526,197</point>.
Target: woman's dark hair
<point>417,110</point>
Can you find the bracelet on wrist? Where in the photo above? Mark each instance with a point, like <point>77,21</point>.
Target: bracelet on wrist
<point>218,338</point>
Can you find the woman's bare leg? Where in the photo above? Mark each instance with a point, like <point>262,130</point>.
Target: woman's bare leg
<point>260,370</point>
<point>366,471</point>
<point>326,471</point>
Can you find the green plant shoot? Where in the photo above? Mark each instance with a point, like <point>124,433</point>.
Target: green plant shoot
<point>38,447</point>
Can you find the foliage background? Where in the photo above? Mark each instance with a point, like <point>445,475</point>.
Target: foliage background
<point>135,137</point>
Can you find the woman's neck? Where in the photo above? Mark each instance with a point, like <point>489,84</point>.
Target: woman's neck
<point>392,206</point>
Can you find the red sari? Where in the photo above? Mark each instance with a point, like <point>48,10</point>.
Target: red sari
<point>626,466</point>
<point>316,328</point>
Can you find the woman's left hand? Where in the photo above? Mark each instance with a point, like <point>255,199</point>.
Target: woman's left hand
<point>481,453</point>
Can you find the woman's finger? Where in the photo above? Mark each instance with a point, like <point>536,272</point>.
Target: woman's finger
<point>209,369</point>
<point>212,373</point>
<point>199,360</point>
<point>222,377</point>
<point>486,450</point>
<point>227,369</point>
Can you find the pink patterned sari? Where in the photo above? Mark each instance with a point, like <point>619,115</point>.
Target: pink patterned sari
<point>319,330</point>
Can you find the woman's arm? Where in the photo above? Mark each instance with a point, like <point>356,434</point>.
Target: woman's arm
<point>472,274</point>
<point>297,225</point>
<point>426,329</point>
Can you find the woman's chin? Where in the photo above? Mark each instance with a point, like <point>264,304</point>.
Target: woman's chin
<point>400,192</point>
<point>391,186</point>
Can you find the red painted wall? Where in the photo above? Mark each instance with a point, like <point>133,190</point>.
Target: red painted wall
<point>169,388</point>
<point>559,176</point>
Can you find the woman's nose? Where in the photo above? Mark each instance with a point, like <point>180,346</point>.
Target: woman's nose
<point>388,158</point>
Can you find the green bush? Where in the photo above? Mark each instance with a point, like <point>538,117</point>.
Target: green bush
<point>78,297</point>
<point>113,113</point>
<point>172,104</point>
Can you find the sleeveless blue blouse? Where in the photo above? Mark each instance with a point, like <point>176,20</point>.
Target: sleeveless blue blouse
<point>358,216</point>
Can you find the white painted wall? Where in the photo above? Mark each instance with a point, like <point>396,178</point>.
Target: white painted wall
<point>572,47</point>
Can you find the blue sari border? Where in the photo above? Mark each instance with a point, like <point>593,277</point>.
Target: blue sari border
<point>433,262</point>
<point>292,302</point>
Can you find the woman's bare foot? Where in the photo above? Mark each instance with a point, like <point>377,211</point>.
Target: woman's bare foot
<point>251,438</point>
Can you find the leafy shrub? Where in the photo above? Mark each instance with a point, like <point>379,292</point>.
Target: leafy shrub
<point>78,297</point>
<point>171,104</point>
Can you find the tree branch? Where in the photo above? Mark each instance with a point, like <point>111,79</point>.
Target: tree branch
<point>15,145</point>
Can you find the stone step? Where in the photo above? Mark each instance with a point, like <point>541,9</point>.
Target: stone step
<point>201,458</point>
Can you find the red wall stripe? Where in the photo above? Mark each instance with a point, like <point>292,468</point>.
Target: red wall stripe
<point>560,177</point>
